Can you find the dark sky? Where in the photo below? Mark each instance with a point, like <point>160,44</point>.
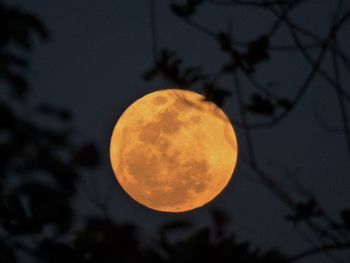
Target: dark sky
<point>93,66</point>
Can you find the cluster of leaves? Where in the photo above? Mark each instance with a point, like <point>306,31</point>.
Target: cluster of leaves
<point>171,67</point>
<point>186,9</point>
<point>101,240</point>
<point>310,209</point>
<point>17,28</point>
<point>264,105</point>
<point>256,52</point>
<point>39,162</point>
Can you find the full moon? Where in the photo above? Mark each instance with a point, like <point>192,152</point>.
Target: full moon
<point>173,151</point>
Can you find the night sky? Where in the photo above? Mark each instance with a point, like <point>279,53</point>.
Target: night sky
<point>93,66</point>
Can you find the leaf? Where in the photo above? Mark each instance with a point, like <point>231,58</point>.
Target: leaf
<point>229,67</point>
<point>19,83</point>
<point>48,205</point>
<point>7,117</point>
<point>257,50</point>
<point>55,252</point>
<point>100,237</point>
<point>304,211</point>
<point>175,226</point>
<point>9,59</point>
<point>11,207</point>
<point>221,220</point>
<point>260,105</point>
<point>187,9</point>
<point>149,74</point>
<point>58,113</point>
<point>12,214</point>
<point>178,10</point>
<point>215,94</point>
<point>54,137</point>
<point>171,67</point>
<point>19,27</point>
<point>273,256</point>
<point>224,41</point>
<point>200,239</point>
<point>7,255</point>
<point>345,216</point>
<point>87,155</point>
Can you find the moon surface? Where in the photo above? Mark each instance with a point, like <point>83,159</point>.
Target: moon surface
<point>173,151</point>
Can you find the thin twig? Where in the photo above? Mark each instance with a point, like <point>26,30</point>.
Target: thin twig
<point>243,116</point>
<point>306,82</point>
<point>309,59</point>
<point>326,126</point>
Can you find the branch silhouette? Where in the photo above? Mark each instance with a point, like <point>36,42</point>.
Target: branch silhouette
<point>326,234</point>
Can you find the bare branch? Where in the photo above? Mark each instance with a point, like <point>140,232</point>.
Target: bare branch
<point>251,154</point>
<point>341,100</point>
<point>309,59</point>
<point>308,80</point>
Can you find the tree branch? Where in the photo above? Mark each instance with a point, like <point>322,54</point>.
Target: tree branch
<point>341,101</point>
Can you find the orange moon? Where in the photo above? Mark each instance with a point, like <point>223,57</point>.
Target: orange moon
<point>173,151</point>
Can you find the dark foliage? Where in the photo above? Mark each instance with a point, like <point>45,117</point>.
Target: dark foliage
<point>170,67</point>
<point>186,9</point>
<point>17,29</point>
<point>260,105</point>
<point>214,93</point>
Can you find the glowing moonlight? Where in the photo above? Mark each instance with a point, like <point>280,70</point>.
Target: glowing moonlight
<point>173,151</point>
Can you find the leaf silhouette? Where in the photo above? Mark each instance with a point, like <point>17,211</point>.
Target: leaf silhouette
<point>304,210</point>
<point>224,41</point>
<point>86,155</point>
<point>221,220</point>
<point>257,50</point>
<point>171,67</point>
<point>260,105</point>
<point>19,84</point>
<point>19,27</point>
<point>215,94</point>
<point>54,210</point>
<point>6,254</point>
<point>12,213</point>
<point>345,217</point>
<point>58,113</point>
<point>186,9</point>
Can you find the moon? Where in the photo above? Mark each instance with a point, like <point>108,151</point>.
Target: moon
<point>173,151</point>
